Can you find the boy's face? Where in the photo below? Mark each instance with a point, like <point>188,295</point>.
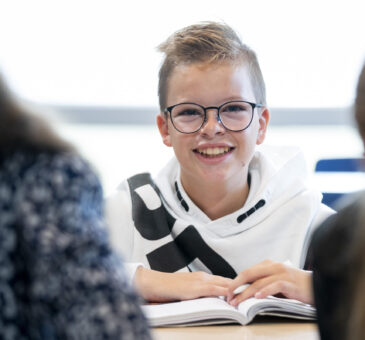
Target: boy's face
<point>212,85</point>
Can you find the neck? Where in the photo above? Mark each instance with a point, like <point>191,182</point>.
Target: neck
<point>217,199</point>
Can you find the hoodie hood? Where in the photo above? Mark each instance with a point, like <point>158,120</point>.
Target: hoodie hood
<point>277,175</point>
<point>163,229</point>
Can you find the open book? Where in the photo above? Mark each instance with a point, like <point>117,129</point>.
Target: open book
<point>206,311</point>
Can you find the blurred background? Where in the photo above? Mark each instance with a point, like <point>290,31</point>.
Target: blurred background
<point>92,67</point>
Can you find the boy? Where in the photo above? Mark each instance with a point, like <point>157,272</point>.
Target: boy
<point>208,222</point>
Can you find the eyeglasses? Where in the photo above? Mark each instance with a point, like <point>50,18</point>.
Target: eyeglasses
<point>234,115</point>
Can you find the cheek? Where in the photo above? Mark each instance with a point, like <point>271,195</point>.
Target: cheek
<point>247,147</point>
<point>248,138</point>
<point>255,134</point>
<point>180,143</point>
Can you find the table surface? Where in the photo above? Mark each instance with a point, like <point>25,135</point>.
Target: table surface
<point>259,330</point>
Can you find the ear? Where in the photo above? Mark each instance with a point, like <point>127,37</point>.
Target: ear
<point>163,127</point>
<point>264,118</point>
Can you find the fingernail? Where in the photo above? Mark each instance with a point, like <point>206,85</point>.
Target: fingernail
<point>233,302</point>
<point>258,295</point>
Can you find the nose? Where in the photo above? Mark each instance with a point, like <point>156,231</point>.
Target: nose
<point>212,125</point>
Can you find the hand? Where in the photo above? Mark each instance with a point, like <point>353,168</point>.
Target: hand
<point>157,286</point>
<point>271,278</point>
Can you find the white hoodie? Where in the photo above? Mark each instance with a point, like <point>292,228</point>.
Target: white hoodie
<point>166,231</point>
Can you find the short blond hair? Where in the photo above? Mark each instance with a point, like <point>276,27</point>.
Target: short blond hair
<point>209,42</point>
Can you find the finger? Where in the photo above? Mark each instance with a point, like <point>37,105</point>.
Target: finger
<point>253,289</point>
<point>206,277</point>
<point>212,290</point>
<point>299,289</point>
<point>290,282</point>
<point>256,272</point>
<point>288,289</point>
<point>253,273</point>
<point>222,281</point>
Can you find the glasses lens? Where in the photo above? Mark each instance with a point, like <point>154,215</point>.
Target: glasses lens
<point>187,117</point>
<point>236,115</point>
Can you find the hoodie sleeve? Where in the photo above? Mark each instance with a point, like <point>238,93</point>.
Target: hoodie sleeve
<point>323,213</point>
<point>120,224</point>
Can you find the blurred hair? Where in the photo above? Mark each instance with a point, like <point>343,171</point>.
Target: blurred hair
<point>208,42</point>
<point>360,104</point>
<point>356,324</point>
<point>20,129</point>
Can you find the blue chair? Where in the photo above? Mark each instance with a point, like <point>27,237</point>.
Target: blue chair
<point>344,165</point>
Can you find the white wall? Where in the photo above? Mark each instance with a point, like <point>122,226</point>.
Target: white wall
<point>104,52</point>
<point>87,52</point>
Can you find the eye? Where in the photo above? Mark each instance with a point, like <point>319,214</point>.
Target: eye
<point>189,112</point>
<point>235,108</point>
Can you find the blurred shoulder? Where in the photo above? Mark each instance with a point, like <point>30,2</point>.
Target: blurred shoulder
<point>341,223</point>
<point>46,165</point>
<point>69,162</point>
<point>41,177</point>
<point>332,239</point>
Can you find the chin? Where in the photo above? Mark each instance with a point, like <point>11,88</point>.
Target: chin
<point>216,176</point>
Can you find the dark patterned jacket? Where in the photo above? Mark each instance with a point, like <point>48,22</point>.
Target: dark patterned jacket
<point>58,276</point>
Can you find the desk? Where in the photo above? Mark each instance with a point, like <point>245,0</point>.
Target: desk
<point>283,330</point>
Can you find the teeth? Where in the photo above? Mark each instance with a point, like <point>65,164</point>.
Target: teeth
<point>214,151</point>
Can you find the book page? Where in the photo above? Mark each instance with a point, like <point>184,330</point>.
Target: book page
<point>276,306</point>
<point>190,311</point>
<point>215,310</point>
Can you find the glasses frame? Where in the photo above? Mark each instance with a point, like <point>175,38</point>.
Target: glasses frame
<point>169,109</point>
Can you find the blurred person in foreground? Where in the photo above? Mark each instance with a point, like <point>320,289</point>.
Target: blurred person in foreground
<point>58,277</point>
<point>338,254</point>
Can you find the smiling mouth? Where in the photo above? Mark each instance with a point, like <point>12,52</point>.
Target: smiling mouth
<point>213,152</point>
